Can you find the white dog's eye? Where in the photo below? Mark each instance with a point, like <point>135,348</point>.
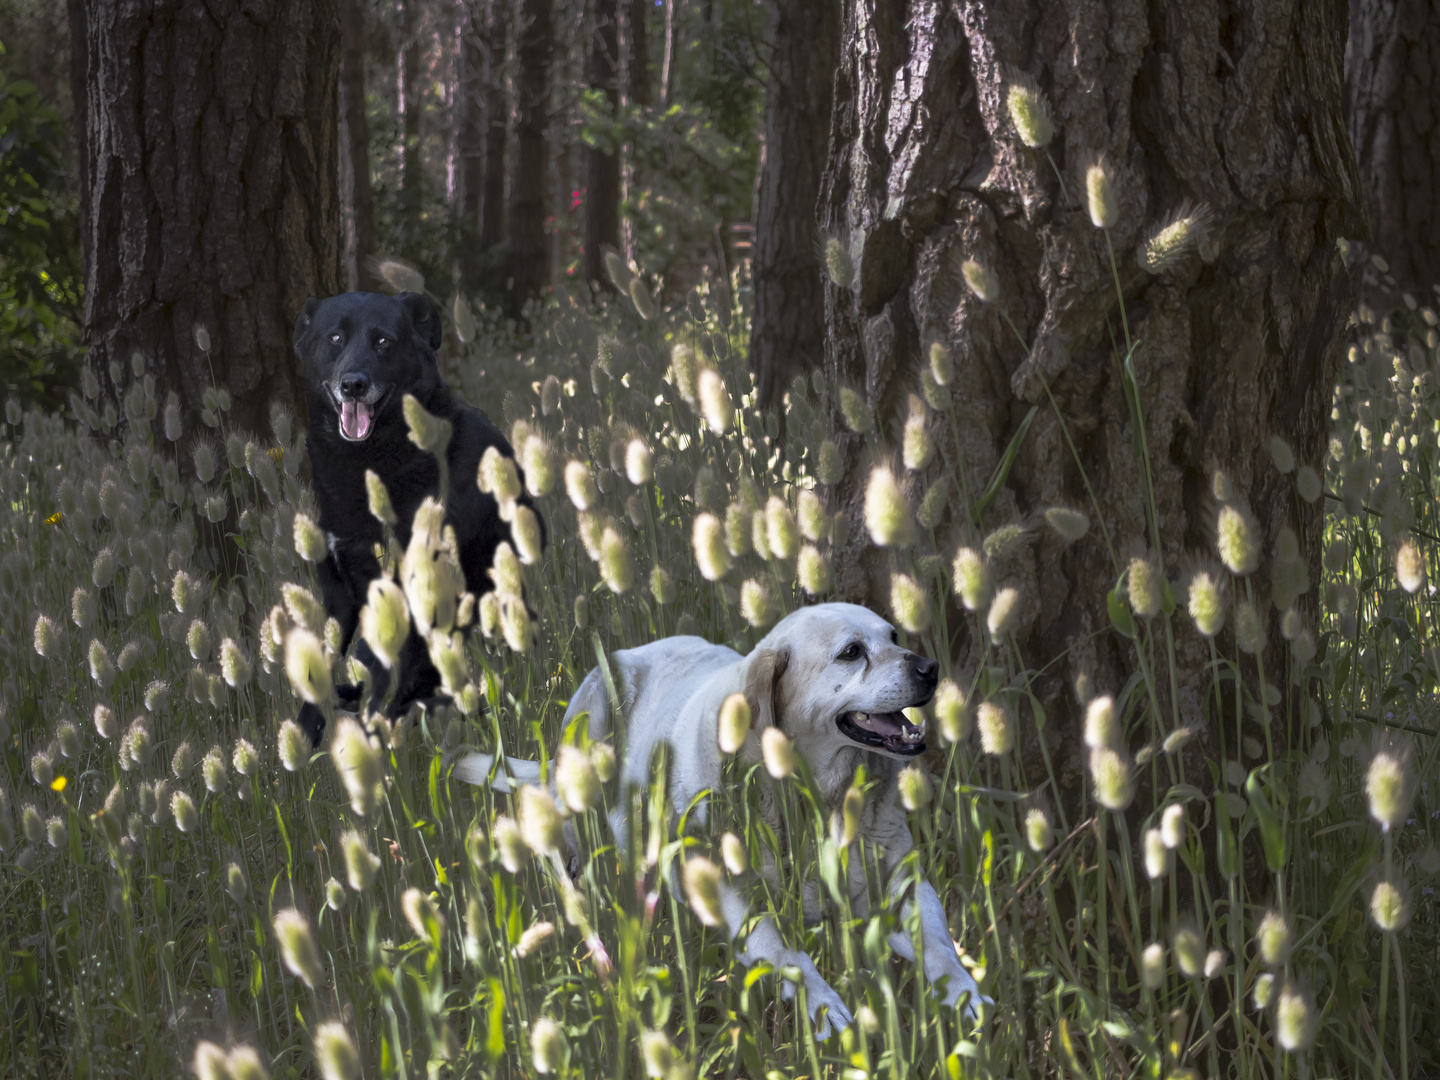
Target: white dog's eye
<point>853,651</point>
<point>335,338</point>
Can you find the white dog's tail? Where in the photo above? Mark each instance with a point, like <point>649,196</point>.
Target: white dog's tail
<point>475,768</point>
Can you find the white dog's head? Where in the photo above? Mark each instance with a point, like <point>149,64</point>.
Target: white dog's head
<point>835,679</point>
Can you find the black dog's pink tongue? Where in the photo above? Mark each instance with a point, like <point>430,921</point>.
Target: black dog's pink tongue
<point>355,419</point>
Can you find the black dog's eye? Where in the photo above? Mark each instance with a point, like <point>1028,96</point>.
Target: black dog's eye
<point>852,652</point>
<point>335,338</point>
<point>382,341</point>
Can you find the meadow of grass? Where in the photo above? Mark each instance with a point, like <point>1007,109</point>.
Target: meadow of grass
<point>187,886</point>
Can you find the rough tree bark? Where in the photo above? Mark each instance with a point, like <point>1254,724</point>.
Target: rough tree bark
<point>209,153</point>
<point>528,254</point>
<point>408,99</point>
<point>787,333</point>
<point>356,143</point>
<point>1393,89</point>
<point>1238,109</point>
<point>602,164</point>
<point>497,126</point>
<point>635,55</point>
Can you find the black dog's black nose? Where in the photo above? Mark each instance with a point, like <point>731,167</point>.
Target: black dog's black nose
<point>354,385</point>
<point>925,669</point>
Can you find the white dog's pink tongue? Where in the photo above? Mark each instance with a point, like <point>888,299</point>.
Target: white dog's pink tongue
<point>881,723</point>
<point>355,417</point>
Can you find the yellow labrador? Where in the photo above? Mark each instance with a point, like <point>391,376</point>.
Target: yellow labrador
<point>835,680</point>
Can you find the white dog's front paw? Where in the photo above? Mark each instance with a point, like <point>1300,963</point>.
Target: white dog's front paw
<point>958,981</point>
<point>828,1012</point>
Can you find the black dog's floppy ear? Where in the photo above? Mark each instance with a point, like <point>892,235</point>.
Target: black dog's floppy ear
<point>762,687</point>
<point>302,325</point>
<point>423,317</point>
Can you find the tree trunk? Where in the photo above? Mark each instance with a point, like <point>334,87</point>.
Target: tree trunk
<point>209,153</point>
<point>497,126</point>
<point>602,163</point>
<point>636,57</point>
<point>1393,89</point>
<point>408,98</point>
<point>1237,341</point>
<point>361,245</point>
<point>667,66</point>
<point>528,253</point>
<point>788,327</point>
<point>470,101</point>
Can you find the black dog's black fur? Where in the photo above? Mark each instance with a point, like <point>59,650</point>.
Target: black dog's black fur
<point>375,349</point>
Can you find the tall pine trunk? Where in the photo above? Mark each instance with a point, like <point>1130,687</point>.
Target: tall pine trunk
<point>356,144</point>
<point>528,253</point>
<point>602,162</point>
<point>788,327</point>
<point>1394,90</point>
<point>497,126</point>
<point>209,153</point>
<point>1238,341</point>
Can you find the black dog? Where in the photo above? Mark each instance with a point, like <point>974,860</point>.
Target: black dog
<point>361,353</point>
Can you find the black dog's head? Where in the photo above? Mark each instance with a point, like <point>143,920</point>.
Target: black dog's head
<point>362,352</point>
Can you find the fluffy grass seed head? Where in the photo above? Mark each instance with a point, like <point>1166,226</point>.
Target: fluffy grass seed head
<point>358,763</point>
<point>580,485</point>
<point>234,664</point>
<point>828,466</point>
<point>424,917</point>
<point>335,1052</point>
<point>734,853</point>
<point>497,476</point>
<point>1030,113</point>
<point>1409,567</point>
<point>1100,196</point>
<point>361,865</point>
<point>378,498</point>
<point>972,579</point>
<point>509,843</point>
<point>1206,604</point>
<point>213,771</point>
<point>538,461</point>
<point>1264,992</point>
<point>1389,906</point>
<point>813,570</point>
<point>917,446</point>
<point>1039,833</point>
<point>82,608</point>
<point>1157,855</point>
<point>1294,1019</point>
<point>997,728</point>
<point>942,364</point>
<point>1274,939</point>
<point>297,947</point>
<point>309,540</point>
<point>541,826</point>
<point>1172,825</point>
<point>1102,726</point>
<point>1113,779</point>
<point>547,1046</point>
<point>910,603</point>
<point>1214,963</point>
<point>1308,484</point>
<point>307,667</point>
<point>1070,523</point>
<point>887,513</point>
<point>525,530</point>
<point>707,536</point>
<point>1281,454</point>
<point>1249,632</point>
<point>782,533</point>
<point>981,280</point>
<point>245,757</point>
<point>47,636</point>
<point>1004,610</point>
<point>952,713</point>
<point>777,752</point>
<point>1235,540</point>
<point>1144,587</point>
<point>733,723</point>
<point>702,889</point>
<point>656,1054</point>
<point>914,788</point>
<point>1152,966</point>
<point>639,462</point>
<point>715,404</point>
<point>615,565</point>
<point>1185,230</point>
<point>1189,950</point>
<point>756,604</point>
<point>838,263</point>
<point>293,745</point>
<point>385,620</point>
<point>576,781</point>
<point>811,516</point>
<point>210,1062</point>
<point>855,412</point>
<point>1390,785</point>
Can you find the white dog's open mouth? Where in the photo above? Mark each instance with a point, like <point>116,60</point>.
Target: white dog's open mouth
<point>890,732</point>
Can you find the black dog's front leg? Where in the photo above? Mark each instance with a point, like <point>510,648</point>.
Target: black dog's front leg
<point>341,589</point>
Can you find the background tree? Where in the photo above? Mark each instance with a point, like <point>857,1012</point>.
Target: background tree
<point>208,177</point>
<point>492,205</point>
<point>788,321</point>
<point>602,162</point>
<point>526,258</point>
<point>1393,86</point>
<point>355,127</point>
<point>1237,338</point>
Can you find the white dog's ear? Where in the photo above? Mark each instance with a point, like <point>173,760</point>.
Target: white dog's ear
<point>762,687</point>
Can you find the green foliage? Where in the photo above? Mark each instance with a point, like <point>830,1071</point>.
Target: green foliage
<point>40,287</point>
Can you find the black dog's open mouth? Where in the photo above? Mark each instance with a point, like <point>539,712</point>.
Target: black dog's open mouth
<point>357,418</point>
<point>890,732</point>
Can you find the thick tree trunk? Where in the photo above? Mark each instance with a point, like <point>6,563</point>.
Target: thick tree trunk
<point>635,53</point>
<point>412,180</point>
<point>356,130</point>
<point>528,253</point>
<point>209,153</point>
<point>497,126</point>
<point>1393,90</point>
<point>1236,342</point>
<point>470,103</point>
<point>787,333</point>
<point>602,163</point>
